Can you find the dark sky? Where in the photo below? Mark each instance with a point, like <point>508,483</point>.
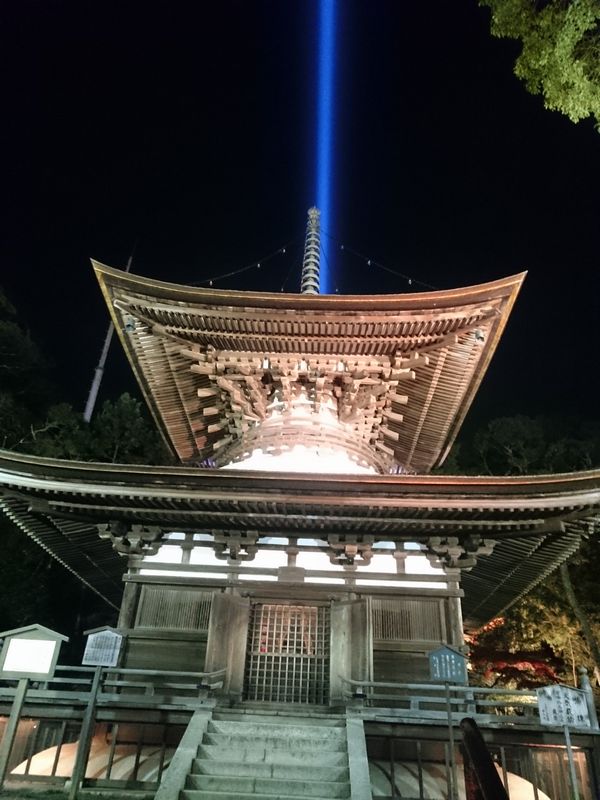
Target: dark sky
<point>189,128</point>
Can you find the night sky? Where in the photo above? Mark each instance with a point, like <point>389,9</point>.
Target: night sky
<point>189,129</point>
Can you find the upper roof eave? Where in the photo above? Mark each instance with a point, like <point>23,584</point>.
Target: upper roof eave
<point>187,438</point>
<point>165,290</point>
<point>467,487</point>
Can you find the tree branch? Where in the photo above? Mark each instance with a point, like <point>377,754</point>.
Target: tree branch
<point>581,616</point>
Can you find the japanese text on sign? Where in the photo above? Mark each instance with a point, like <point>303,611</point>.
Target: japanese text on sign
<point>563,705</point>
<point>447,665</point>
<point>102,649</point>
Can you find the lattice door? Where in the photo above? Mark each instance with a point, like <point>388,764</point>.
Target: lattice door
<point>288,654</point>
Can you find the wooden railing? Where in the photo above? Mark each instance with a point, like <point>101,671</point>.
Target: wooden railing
<point>61,717</point>
<point>120,686</point>
<point>414,702</point>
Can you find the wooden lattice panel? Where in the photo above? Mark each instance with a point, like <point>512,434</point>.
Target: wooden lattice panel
<point>288,654</point>
<point>405,620</point>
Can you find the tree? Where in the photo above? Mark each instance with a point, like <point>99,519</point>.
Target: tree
<point>24,386</point>
<point>562,613</point>
<point>560,55</point>
<point>122,433</point>
<point>536,641</point>
<point>119,433</point>
<point>522,445</point>
<point>33,586</point>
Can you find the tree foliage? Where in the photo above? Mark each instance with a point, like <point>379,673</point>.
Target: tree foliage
<point>535,642</point>
<point>120,432</point>
<point>33,586</point>
<point>522,445</point>
<point>546,627</point>
<point>560,55</point>
<point>31,423</point>
<point>24,384</point>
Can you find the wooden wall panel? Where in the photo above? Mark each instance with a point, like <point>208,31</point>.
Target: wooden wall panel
<point>170,653</point>
<point>400,666</point>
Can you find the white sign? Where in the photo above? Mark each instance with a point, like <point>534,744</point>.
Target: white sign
<point>102,649</point>
<point>563,705</point>
<point>29,655</point>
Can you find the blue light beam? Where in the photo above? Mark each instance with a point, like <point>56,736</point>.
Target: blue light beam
<point>325,131</point>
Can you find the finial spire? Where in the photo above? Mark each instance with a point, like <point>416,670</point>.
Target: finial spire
<point>309,283</point>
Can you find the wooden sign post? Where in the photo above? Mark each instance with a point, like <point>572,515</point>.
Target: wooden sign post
<point>28,653</point>
<point>566,706</point>
<point>448,665</point>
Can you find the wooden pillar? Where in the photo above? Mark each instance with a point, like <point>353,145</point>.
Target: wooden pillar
<point>10,731</point>
<point>455,620</point>
<point>128,605</point>
<point>349,645</point>
<point>227,637</point>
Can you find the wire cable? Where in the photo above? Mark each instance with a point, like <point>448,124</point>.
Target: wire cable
<point>371,262</point>
<point>253,265</point>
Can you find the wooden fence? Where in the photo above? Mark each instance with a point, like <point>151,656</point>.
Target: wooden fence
<point>98,726</point>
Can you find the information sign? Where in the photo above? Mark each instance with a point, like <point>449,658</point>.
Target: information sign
<point>563,705</point>
<point>447,665</point>
<point>102,649</point>
<point>30,652</point>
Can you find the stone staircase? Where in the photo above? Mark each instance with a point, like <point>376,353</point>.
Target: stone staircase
<point>256,756</point>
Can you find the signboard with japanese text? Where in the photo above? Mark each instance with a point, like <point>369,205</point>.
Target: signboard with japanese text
<point>563,705</point>
<point>102,649</point>
<point>447,665</point>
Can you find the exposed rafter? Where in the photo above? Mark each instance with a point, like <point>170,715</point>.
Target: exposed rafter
<point>386,378</point>
<point>507,534</point>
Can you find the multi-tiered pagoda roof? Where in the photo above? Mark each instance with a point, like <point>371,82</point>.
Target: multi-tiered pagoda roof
<point>385,380</point>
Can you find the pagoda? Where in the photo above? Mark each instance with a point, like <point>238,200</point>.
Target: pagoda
<point>302,543</point>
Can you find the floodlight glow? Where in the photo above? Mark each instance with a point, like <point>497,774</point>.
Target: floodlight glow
<point>300,458</point>
<point>325,101</point>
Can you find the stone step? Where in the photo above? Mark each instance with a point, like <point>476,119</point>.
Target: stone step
<point>247,752</point>
<point>276,741</point>
<point>200,794</point>
<point>271,730</point>
<point>268,786</point>
<point>205,766</point>
<point>280,717</point>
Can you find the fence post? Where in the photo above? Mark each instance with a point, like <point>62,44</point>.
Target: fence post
<point>454,772</point>
<point>85,738</point>
<point>584,683</point>
<point>470,704</point>
<point>11,727</point>
<point>359,695</point>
